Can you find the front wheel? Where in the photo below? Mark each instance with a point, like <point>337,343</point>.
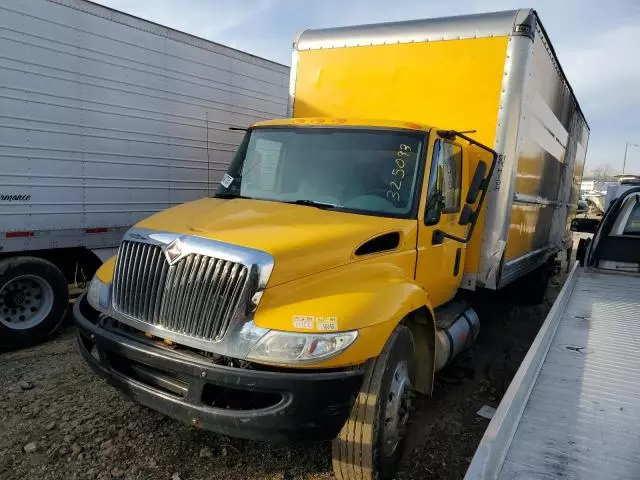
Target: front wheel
<point>370,444</point>
<point>33,299</point>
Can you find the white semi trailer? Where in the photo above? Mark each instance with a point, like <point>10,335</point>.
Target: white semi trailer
<point>105,118</point>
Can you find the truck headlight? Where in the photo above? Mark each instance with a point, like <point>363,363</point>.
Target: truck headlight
<point>99,295</point>
<point>294,348</point>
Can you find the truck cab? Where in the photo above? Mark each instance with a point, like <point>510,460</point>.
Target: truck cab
<point>306,285</point>
<point>386,174</point>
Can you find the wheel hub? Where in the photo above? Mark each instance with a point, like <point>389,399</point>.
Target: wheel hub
<point>397,408</point>
<point>25,301</point>
<point>15,298</point>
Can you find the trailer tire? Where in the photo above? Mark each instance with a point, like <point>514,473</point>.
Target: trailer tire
<point>370,444</point>
<point>33,299</point>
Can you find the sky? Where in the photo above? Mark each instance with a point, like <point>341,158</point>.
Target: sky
<point>597,42</point>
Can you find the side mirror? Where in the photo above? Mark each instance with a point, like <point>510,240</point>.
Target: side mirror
<point>584,225</point>
<point>476,183</point>
<point>581,252</point>
<point>466,216</point>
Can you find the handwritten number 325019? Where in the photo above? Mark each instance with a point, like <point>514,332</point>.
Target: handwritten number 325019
<point>398,172</point>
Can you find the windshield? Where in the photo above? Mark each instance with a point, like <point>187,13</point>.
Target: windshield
<point>356,170</point>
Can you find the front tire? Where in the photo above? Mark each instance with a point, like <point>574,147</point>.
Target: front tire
<point>33,299</point>
<point>370,444</point>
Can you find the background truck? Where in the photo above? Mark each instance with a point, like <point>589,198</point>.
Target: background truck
<point>104,119</point>
<point>571,410</point>
<point>326,280</point>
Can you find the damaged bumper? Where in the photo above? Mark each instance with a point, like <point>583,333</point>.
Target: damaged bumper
<point>240,402</point>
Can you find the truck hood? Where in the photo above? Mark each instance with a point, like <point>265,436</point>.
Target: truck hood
<point>302,240</point>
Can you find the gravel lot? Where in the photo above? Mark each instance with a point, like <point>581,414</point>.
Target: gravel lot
<point>59,421</point>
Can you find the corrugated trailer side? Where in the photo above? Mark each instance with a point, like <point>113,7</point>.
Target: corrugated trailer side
<point>105,118</point>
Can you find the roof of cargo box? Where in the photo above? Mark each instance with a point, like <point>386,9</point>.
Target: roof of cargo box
<point>522,22</point>
<point>425,30</point>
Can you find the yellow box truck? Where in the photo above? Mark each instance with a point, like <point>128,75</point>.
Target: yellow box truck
<point>324,282</point>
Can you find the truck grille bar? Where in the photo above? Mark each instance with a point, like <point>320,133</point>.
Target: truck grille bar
<point>196,296</point>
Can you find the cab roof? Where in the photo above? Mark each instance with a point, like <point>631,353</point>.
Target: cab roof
<point>342,122</point>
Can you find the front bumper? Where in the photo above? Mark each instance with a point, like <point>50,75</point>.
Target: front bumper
<point>265,405</point>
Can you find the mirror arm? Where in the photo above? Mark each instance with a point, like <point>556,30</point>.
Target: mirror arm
<point>452,134</point>
<point>439,236</point>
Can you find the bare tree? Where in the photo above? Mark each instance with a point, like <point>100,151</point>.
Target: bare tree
<point>602,173</point>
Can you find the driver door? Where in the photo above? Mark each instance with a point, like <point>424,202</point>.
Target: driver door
<point>441,260</point>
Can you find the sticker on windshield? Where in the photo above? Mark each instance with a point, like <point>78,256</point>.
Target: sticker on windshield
<point>327,324</point>
<point>303,321</point>
<point>226,180</point>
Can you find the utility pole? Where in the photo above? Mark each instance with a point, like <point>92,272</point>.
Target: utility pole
<point>626,148</point>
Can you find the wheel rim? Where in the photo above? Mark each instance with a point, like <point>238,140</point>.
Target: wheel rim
<point>25,301</point>
<point>397,408</point>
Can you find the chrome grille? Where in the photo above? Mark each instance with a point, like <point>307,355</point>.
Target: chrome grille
<point>196,296</point>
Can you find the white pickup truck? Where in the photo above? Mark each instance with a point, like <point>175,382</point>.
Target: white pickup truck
<point>573,408</point>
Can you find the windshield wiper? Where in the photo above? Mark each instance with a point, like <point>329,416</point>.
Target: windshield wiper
<point>309,203</point>
<point>313,203</point>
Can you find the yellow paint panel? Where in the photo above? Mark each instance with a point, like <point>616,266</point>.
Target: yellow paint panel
<point>526,229</point>
<point>372,296</point>
<point>530,171</point>
<point>302,240</point>
<point>451,84</point>
<point>105,272</point>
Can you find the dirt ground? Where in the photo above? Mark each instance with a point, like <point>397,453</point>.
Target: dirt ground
<point>60,421</point>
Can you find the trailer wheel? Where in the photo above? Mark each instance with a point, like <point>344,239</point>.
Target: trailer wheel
<point>33,300</point>
<point>370,444</point>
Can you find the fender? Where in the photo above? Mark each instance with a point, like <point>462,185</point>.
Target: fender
<point>105,272</point>
<point>371,296</point>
